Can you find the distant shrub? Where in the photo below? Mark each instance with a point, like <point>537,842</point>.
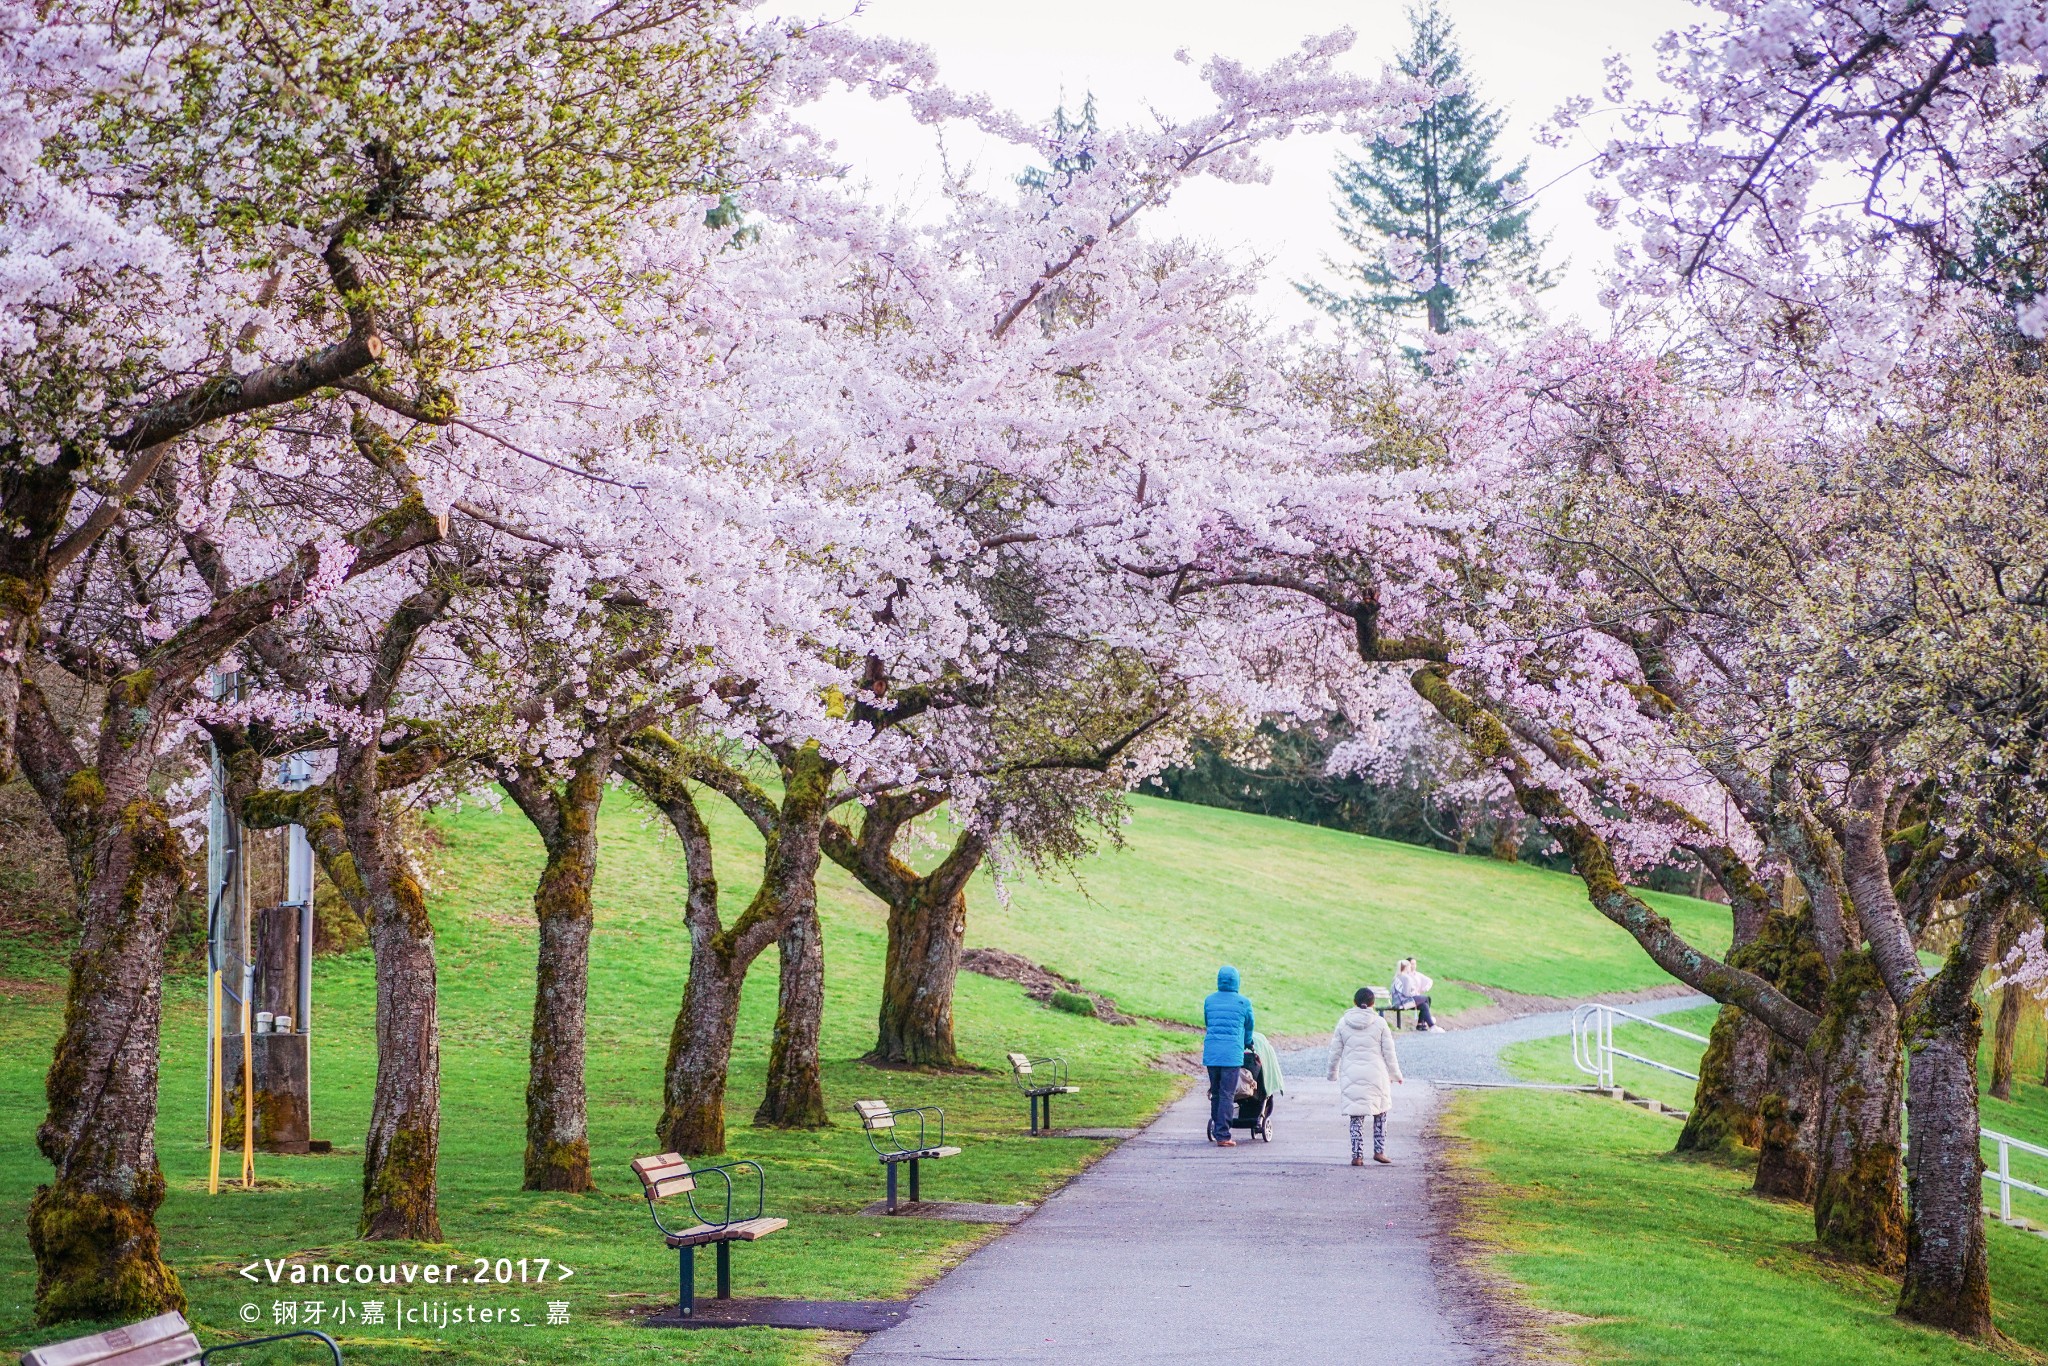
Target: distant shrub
<point>1072,1002</point>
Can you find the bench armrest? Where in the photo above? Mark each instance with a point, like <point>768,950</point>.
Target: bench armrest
<point>725,1174</point>
<point>1058,1066</point>
<point>920,1111</point>
<point>333,1347</point>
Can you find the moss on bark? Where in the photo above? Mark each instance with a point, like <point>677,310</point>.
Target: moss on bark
<point>97,1256</point>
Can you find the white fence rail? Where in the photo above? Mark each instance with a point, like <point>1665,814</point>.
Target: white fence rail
<point>1594,1053</point>
<point>2001,1171</point>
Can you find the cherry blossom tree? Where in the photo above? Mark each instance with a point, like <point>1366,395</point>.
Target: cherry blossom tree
<point>214,227</point>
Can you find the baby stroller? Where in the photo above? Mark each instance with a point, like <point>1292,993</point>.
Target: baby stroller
<point>1255,1111</point>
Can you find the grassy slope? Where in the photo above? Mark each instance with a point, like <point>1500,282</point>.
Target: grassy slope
<point>1308,914</point>
<point>2024,1117</point>
<point>1656,1258</point>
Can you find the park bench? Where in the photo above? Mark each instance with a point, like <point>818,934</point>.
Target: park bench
<point>880,1123</point>
<point>1385,1006</point>
<point>166,1340</point>
<point>1038,1092</point>
<point>669,1174</point>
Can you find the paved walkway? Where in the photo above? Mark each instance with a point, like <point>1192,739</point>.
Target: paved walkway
<point>1173,1250</point>
<point>1282,1253</point>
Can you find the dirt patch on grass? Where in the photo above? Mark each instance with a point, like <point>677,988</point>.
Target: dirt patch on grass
<point>1492,1312</point>
<point>1040,984</point>
<point>31,991</point>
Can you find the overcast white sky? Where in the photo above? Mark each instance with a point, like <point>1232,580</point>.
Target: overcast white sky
<point>1526,56</point>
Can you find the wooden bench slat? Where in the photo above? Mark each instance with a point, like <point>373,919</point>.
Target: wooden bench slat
<point>920,1154</point>
<point>167,1338</point>
<point>164,1352</point>
<point>874,1114</point>
<point>745,1231</point>
<point>115,1344</point>
<point>663,1176</point>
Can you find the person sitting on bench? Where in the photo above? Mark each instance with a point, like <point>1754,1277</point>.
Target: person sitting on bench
<point>1411,989</point>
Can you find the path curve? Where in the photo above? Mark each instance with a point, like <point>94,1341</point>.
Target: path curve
<point>1172,1250</point>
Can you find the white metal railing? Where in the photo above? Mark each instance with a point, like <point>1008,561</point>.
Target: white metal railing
<point>2002,1173</point>
<point>1594,1053</point>
<point>1593,1050</point>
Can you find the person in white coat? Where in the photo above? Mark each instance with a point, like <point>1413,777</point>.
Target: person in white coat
<point>1363,1064</point>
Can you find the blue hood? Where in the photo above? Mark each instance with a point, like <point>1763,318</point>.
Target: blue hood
<point>1227,1022</point>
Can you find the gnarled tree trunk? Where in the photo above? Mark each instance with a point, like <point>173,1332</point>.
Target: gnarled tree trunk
<point>927,923</point>
<point>1734,1072</point>
<point>1947,1283</point>
<point>2012,999</point>
<point>915,1028</point>
<point>93,1229</point>
<point>557,1108</point>
<point>1858,1213</point>
<point>795,1095</point>
<point>700,1047</point>
<point>1788,1124</point>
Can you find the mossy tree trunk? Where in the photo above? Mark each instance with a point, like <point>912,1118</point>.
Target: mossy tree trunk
<point>557,1107</point>
<point>795,1095</point>
<point>2012,1000</point>
<point>1858,1213</point>
<point>700,1047</point>
<point>1788,1123</point>
<point>1507,839</point>
<point>1947,1282</point>
<point>92,1229</point>
<point>1735,1071</point>
<point>1726,1115</point>
<point>927,926</point>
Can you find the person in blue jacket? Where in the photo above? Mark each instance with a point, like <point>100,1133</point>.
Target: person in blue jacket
<point>1228,1015</point>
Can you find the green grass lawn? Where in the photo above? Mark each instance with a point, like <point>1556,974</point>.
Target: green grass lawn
<point>1307,914</point>
<point>1645,1257</point>
<point>1310,914</point>
<point>2024,1117</point>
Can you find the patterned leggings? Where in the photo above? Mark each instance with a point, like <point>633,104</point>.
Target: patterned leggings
<point>1379,1136</point>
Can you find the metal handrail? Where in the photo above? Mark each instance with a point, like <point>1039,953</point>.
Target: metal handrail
<point>1593,1052</point>
<point>1595,1055</point>
<point>2007,1182</point>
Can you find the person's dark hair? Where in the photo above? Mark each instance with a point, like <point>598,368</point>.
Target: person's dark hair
<point>1362,997</point>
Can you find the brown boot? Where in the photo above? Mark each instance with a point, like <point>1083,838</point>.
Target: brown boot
<point>1382,1157</point>
<point>1358,1162</point>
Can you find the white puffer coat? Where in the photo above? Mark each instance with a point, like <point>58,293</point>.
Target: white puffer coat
<point>1363,1064</point>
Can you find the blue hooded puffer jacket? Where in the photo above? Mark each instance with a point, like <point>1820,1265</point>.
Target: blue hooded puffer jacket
<point>1229,1017</point>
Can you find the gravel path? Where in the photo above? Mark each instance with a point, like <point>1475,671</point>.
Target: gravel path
<point>1171,1250</point>
<point>1473,1055</point>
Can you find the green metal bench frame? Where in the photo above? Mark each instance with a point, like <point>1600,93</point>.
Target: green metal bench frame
<point>669,1174</point>
<point>1039,1096</point>
<point>876,1116</point>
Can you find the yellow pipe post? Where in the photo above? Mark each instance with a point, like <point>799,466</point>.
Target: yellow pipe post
<point>215,1100</point>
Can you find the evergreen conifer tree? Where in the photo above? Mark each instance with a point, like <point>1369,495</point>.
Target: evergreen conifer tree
<point>1438,229</point>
